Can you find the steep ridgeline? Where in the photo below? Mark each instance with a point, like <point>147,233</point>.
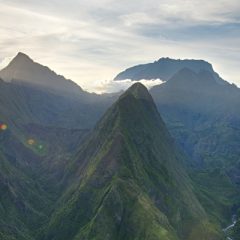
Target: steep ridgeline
<point>34,93</point>
<point>23,69</point>
<point>32,157</point>
<point>165,68</point>
<point>128,181</point>
<point>23,104</point>
<point>204,119</point>
<point>202,115</point>
<point>40,128</point>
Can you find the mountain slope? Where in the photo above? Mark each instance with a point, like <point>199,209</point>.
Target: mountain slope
<point>44,126</point>
<point>32,158</point>
<point>203,117</point>
<point>29,88</point>
<point>23,68</point>
<point>24,201</point>
<point>128,181</point>
<point>165,68</point>
<point>199,110</point>
<point>22,103</point>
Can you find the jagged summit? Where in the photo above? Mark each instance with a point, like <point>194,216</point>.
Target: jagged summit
<point>139,91</point>
<point>20,61</point>
<point>23,69</point>
<point>21,57</point>
<point>135,106</point>
<point>130,107</point>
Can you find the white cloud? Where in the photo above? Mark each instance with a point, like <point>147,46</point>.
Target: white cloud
<point>4,61</point>
<point>110,86</point>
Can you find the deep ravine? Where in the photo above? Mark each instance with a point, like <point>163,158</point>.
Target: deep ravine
<point>228,228</point>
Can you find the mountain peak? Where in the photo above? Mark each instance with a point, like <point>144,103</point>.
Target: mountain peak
<point>188,77</point>
<point>139,91</point>
<point>21,58</point>
<point>23,69</point>
<point>22,55</point>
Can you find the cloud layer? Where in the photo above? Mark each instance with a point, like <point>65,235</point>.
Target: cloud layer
<point>110,86</point>
<point>89,41</point>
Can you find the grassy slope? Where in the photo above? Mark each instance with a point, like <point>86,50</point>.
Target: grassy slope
<point>28,175</point>
<point>23,201</point>
<point>129,182</point>
<point>165,212</point>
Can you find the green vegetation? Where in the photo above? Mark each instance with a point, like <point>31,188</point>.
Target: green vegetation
<point>126,180</point>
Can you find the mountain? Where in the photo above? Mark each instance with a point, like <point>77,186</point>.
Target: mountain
<point>128,181</point>
<point>24,201</point>
<point>45,118</point>
<point>32,155</point>
<point>24,103</point>
<point>198,110</point>
<point>34,93</point>
<point>23,69</point>
<point>127,178</point>
<point>165,68</point>
<point>204,119</point>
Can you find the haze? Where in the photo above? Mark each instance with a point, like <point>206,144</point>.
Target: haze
<point>91,41</point>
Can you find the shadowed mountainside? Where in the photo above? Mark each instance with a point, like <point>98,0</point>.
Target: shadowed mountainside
<point>47,98</point>
<point>128,181</point>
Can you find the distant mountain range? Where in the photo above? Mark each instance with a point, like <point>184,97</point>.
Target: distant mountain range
<point>166,68</point>
<point>198,106</point>
<point>134,174</point>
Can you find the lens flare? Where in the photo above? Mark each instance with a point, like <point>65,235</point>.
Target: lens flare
<point>3,126</point>
<point>30,141</point>
<point>40,147</point>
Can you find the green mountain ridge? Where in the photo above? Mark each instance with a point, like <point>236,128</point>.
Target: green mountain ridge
<point>128,181</point>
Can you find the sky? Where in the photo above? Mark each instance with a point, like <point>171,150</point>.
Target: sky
<point>91,41</point>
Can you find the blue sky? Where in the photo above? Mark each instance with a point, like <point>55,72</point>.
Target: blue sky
<point>90,41</point>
